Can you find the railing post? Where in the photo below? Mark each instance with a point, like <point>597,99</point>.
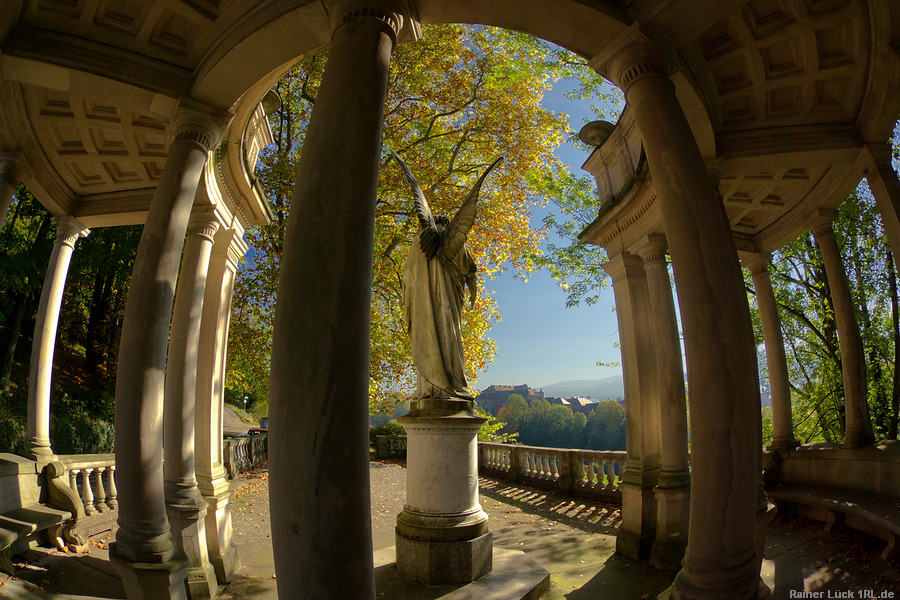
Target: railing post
<point>99,493</point>
<point>87,496</point>
<point>73,479</point>
<point>111,480</point>
<point>566,480</point>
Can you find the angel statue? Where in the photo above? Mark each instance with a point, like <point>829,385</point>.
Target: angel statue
<point>435,276</point>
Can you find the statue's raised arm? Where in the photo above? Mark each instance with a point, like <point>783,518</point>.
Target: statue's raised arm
<point>436,273</point>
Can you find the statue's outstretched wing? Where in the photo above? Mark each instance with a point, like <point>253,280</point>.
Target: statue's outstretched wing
<point>459,228</point>
<point>429,240</point>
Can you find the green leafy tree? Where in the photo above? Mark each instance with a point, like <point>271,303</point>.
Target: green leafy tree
<point>456,100</point>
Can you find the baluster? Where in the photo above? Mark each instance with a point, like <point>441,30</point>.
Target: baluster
<point>111,487</point>
<point>554,466</point>
<point>73,479</point>
<point>87,496</point>
<point>99,492</point>
<point>581,472</point>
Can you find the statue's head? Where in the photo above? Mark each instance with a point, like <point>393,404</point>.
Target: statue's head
<point>442,220</point>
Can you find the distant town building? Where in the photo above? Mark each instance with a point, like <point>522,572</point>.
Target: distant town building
<point>582,405</point>
<point>493,397</point>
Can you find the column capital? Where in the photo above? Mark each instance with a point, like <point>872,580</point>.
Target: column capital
<point>395,16</point>
<point>653,249</point>
<point>624,266</point>
<point>69,229</point>
<point>204,224</point>
<point>10,168</point>
<point>822,223</point>
<point>757,263</point>
<point>200,123</point>
<point>632,57</point>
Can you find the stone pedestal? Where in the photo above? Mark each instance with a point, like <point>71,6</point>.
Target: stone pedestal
<point>673,513</point>
<point>442,534</point>
<point>151,581</point>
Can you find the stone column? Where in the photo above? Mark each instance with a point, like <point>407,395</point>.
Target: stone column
<point>211,476</point>
<point>145,554</point>
<point>886,189</point>
<point>68,230</point>
<point>779,382</point>
<point>639,369</point>
<point>720,559</point>
<point>185,506</point>
<point>9,181</point>
<point>673,491</point>
<point>318,442</point>
<point>858,425</point>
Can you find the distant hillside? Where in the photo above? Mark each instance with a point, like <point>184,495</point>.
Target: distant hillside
<point>611,388</point>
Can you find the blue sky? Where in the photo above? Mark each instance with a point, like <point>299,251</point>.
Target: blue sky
<point>539,340</point>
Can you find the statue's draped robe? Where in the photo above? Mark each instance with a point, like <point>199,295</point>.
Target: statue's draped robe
<point>433,297</point>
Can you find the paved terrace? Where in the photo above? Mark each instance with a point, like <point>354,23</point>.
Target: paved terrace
<point>572,538</point>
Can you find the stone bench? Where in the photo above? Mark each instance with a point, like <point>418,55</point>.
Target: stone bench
<point>873,513</point>
<point>35,506</point>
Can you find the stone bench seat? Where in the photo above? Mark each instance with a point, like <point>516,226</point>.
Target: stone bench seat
<point>20,524</point>
<point>873,513</point>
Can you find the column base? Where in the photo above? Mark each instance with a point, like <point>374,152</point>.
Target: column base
<point>736,583</point>
<point>638,530</point>
<point>188,527</point>
<point>854,442</point>
<point>223,554</point>
<point>781,446</point>
<point>436,563</point>
<point>152,581</point>
<point>673,518</point>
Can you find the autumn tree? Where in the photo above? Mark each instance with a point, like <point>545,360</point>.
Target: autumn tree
<point>457,99</point>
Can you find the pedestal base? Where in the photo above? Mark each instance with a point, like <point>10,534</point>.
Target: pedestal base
<point>223,554</point>
<point>635,537</point>
<point>152,581</point>
<point>672,519</point>
<point>436,563</point>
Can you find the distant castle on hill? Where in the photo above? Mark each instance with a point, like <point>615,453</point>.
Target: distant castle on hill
<point>493,397</point>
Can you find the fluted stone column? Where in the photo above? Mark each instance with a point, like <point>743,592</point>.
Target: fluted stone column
<point>211,476</point>
<point>185,506</point>
<point>9,181</point>
<point>318,440</point>
<point>145,554</point>
<point>68,230</point>
<point>673,491</point>
<point>720,559</point>
<point>779,381</point>
<point>639,369</point>
<point>858,424</point>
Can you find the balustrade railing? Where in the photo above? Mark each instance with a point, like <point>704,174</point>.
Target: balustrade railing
<point>589,473</point>
<point>390,446</point>
<point>93,477</point>
<point>242,453</point>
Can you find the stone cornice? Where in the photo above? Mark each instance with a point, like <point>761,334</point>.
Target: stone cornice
<point>787,140</point>
<point>99,59</point>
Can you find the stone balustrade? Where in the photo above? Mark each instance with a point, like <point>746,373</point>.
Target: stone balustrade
<point>589,473</point>
<point>390,446</point>
<point>93,477</point>
<point>242,453</point>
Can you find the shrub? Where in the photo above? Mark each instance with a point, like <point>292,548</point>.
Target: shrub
<point>12,435</point>
<point>81,435</point>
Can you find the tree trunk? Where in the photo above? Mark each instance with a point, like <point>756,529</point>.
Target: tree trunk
<point>12,340</point>
<point>895,395</point>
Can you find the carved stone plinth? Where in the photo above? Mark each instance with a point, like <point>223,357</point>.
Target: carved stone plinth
<point>442,534</point>
<point>152,581</point>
